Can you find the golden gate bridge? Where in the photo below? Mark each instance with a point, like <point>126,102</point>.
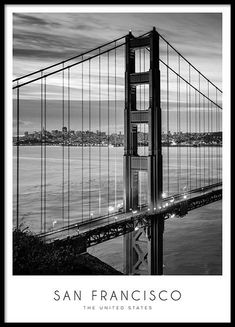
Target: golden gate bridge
<point>145,87</point>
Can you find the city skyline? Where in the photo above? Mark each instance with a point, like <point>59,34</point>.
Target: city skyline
<point>67,137</point>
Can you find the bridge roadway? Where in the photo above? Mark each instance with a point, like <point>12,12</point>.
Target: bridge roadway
<point>98,229</point>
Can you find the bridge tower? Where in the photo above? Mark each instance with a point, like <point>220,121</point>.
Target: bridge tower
<point>134,163</point>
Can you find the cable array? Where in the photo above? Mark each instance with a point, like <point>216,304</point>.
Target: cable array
<point>191,122</point>
<point>192,142</point>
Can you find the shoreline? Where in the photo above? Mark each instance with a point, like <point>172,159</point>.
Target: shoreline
<point>113,146</point>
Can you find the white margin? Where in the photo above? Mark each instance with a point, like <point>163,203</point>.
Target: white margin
<point>207,298</point>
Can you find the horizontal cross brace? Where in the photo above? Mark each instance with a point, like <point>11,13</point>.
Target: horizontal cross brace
<point>139,78</point>
<point>139,116</point>
<point>139,163</point>
<point>140,42</point>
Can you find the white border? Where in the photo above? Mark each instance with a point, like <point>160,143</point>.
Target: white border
<point>204,298</point>
<point>118,8</point>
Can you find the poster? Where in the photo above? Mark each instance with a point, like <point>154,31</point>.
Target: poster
<point>66,135</point>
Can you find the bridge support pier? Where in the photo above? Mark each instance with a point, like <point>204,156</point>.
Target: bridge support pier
<point>136,253</point>
<point>143,250</point>
<point>155,250</point>
<point>133,162</point>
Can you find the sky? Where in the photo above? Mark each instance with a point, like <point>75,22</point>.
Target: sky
<point>40,39</point>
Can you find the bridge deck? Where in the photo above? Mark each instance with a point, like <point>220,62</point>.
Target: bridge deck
<point>106,227</point>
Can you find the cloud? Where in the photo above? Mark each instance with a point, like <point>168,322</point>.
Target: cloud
<point>48,45</point>
<point>44,38</point>
<point>31,20</point>
<point>77,31</point>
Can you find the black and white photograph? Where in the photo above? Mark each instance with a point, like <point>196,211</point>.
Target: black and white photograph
<point>116,138</point>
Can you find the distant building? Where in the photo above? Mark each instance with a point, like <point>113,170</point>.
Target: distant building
<point>55,132</point>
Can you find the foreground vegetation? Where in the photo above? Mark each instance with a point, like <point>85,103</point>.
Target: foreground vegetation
<point>31,256</point>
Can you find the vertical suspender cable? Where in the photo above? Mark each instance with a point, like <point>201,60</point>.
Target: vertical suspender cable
<point>178,127</point>
<point>199,130</point>
<point>69,141</point>
<point>195,109</point>
<point>220,149</point>
<point>167,122</point>
<point>115,122</point>
<point>190,134</point>
<point>99,134</point>
<point>89,155</point>
<point>208,134</point>
<point>82,148</point>
<point>144,138</point>
<point>220,146</point>
<point>144,108</point>
<point>45,154</point>
<point>108,139</point>
<point>41,93</point>
<point>17,155</point>
<point>140,138</point>
<point>216,129</point>
<point>179,130</point>
<point>220,152</point>
<point>204,133</point>
<point>63,144</point>
<point>212,147</point>
<point>187,110</point>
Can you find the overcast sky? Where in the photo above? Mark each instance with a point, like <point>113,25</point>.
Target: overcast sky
<point>41,39</point>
